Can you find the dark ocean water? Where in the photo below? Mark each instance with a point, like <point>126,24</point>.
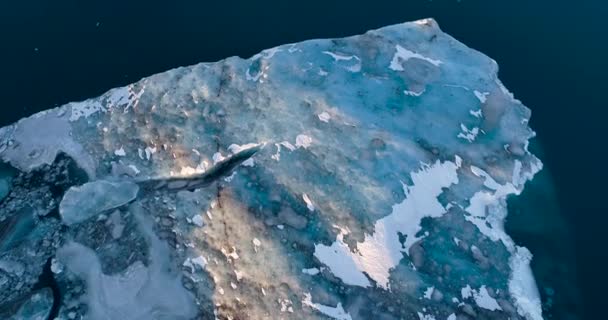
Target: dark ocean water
<point>552,55</point>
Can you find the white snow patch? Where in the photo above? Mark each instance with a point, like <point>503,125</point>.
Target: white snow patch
<point>303,141</point>
<point>402,55</point>
<point>120,152</point>
<point>340,260</point>
<point>286,305</point>
<point>413,93</point>
<point>482,96</point>
<point>134,168</point>
<point>269,53</point>
<point>188,170</point>
<point>217,157</point>
<point>256,242</point>
<point>324,116</point>
<point>336,312</point>
<point>308,202</point>
<point>457,241</point>
<point>522,285</point>
<point>288,145</point>
<point>468,134</point>
<point>488,210</point>
<point>235,148</point>
<point>56,266</point>
<point>476,113</point>
<point>230,177</point>
<point>382,251</point>
<point>339,57</point>
<point>311,271</point>
<point>423,22</point>
<point>484,300</point>
<point>198,220</point>
<point>428,293</point>
<point>482,297</point>
<point>85,109</point>
<point>199,262</point>
<point>149,152</point>
<point>248,163</point>
<point>466,292</point>
<point>422,316</point>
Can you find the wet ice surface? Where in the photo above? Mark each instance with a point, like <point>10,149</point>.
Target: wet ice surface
<point>377,191</point>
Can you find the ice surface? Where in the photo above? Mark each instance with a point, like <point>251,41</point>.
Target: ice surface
<point>82,202</point>
<point>324,179</point>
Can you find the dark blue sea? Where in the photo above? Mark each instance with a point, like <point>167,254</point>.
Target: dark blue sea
<point>552,55</point>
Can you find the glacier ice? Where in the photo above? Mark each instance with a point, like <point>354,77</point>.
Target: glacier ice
<point>337,178</point>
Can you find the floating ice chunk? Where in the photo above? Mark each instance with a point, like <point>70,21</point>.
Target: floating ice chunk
<point>83,202</point>
<point>356,183</point>
<point>336,312</point>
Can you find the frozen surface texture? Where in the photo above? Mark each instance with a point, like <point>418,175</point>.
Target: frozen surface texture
<point>355,178</point>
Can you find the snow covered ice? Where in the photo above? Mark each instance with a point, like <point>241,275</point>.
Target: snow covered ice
<point>353,178</point>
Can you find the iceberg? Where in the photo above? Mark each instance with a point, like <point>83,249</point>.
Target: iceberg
<point>354,178</point>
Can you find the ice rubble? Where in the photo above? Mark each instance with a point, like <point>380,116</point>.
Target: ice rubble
<point>382,168</point>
